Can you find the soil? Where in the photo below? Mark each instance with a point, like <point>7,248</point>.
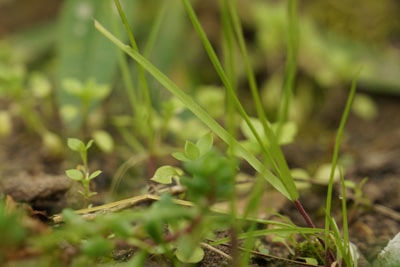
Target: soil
<point>371,149</point>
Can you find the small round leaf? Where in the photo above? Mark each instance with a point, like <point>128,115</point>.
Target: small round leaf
<point>74,174</point>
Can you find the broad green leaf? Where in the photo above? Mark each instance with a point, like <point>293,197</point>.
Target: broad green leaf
<point>204,144</point>
<point>187,251</point>
<point>364,106</point>
<point>180,156</point>
<point>74,174</point>
<point>69,112</point>
<point>39,85</point>
<point>322,174</point>
<point>76,144</point>
<point>52,143</point>
<point>97,246</point>
<point>192,152</point>
<point>103,140</point>
<point>248,133</point>
<point>164,174</point>
<point>212,98</point>
<point>72,86</point>
<point>154,229</point>
<point>288,132</point>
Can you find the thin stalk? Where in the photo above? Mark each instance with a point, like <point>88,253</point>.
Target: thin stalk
<point>290,65</point>
<point>336,154</point>
<point>228,49</point>
<point>347,256</point>
<point>144,88</point>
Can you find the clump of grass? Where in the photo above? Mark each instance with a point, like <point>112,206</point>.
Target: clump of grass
<point>273,166</point>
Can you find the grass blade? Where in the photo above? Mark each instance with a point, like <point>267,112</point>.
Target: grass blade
<point>198,111</point>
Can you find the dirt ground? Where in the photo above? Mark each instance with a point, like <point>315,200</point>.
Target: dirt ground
<point>372,150</point>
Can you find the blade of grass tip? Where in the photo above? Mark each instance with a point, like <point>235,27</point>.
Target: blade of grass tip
<point>200,113</point>
<point>273,152</point>
<point>279,165</point>
<point>336,153</point>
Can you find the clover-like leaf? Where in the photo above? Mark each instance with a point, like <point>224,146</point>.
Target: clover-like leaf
<point>74,174</point>
<point>76,144</point>
<point>103,140</point>
<point>186,253</point>
<point>204,144</point>
<point>192,152</point>
<point>180,156</point>
<point>165,174</point>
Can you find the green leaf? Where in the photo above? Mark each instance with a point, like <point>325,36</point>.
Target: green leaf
<point>89,144</point>
<point>310,261</point>
<point>364,106</point>
<point>72,86</point>
<point>154,229</point>
<point>164,174</point>
<point>287,134</point>
<point>94,174</point>
<point>180,156</point>
<point>52,143</point>
<point>192,152</point>
<point>76,144</point>
<point>194,255</point>
<point>204,144</point>
<point>97,246</point>
<point>247,131</point>
<point>69,112</point>
<point>103,140</point>
<point>97,91</point>
<point>74,174</point>
<point>39,85</point>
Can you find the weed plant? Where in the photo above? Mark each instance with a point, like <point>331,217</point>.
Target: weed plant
<point>82,173</point>
<point>272,166</point>
<point>177,230</point>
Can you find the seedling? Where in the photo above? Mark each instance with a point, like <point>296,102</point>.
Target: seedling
<point>81,173</point>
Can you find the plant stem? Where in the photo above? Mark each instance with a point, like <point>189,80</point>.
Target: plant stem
<point>303,213</point>
<point>330,257</point>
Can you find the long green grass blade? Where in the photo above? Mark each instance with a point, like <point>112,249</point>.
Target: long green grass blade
<point>335,156</point>
<point>200,113</point>
<point>272,153</point>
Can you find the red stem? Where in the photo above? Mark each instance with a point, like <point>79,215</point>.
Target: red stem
<point>330,257</point>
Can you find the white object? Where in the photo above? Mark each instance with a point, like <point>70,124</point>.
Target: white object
<point>390,255</point>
